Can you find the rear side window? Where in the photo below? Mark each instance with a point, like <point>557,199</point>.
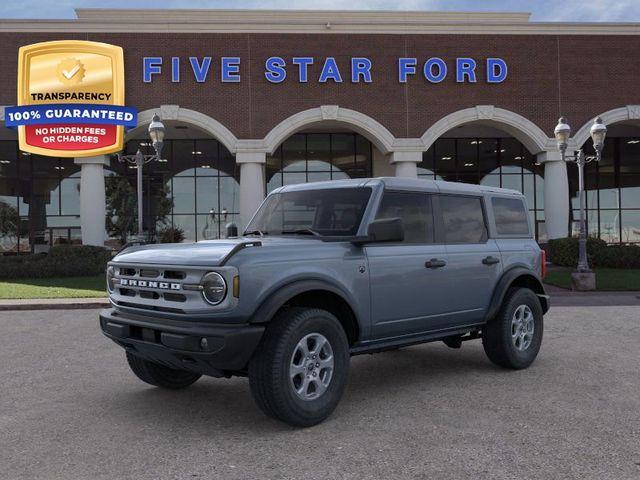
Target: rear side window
<point>463,219</point>
<point>511,216</point>
<point>415,211</point>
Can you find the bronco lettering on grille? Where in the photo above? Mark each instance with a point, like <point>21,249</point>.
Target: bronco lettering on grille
<point>128,282</point>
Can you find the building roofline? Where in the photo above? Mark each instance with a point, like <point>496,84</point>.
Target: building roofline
<point>286,15</point>
<point>310,21</point>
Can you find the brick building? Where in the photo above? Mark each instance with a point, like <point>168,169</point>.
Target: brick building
<point>256,99</point>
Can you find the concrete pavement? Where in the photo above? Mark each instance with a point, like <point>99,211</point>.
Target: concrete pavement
<point>70,409</point>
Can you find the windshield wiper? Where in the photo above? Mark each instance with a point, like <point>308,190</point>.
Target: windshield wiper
<point>301,231</point>
<point>255,232</point>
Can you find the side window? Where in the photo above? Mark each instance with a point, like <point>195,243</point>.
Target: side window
<point>415,211</point>
<point>463,219</point>
<point>511,216</point>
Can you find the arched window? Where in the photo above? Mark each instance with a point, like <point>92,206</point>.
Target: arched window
<point>498,162</point>
<point>314,157</point>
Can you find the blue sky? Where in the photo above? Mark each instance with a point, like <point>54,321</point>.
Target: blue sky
<point>542,10</point>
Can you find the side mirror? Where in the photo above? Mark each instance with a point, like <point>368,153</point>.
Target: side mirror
<point>385,230</point>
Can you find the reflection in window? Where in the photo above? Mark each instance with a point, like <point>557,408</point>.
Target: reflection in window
<point>414,209</point>
<point>316,157</point>
<point>612,191</point>
<point>493,162</point>
<point>463,219</point>
<point>199,179</point>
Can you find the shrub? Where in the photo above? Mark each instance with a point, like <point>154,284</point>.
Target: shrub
<point>564,252</point>
<point>171,235</point>
<point>61,261</point>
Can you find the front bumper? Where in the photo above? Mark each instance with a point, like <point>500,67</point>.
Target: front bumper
<point>180,345</point>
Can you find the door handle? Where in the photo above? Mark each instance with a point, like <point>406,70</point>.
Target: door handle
<point>490,260</point>
<point>434,263</point>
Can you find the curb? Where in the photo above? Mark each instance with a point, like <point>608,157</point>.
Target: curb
<point>53,304</point>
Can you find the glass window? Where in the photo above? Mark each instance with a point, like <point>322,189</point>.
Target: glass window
<point>188,224</point>
<point>511,216</point>
<point>8,159</point>
<point>294,153</point>
<point>511,155</point>
<point>184,152</point>
<point>335,211</point>
<point>630,226</point>
<point>629,154</point>
<point>315,157</point>
<point>467,155</point>
<point>630,191</point>
<point>319,152</point>
<point>487,155</point>
<point>609,224</point>
<point>183,195</point>
<point>70,196</point>
<point>463,219</point>
<point>514,182</point>
<point>343,152</point>
<point>207,195</point>
<point>414,209</point>
<point>445,158</point>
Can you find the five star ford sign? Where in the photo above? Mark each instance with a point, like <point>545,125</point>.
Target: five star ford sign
<point>70,99</point>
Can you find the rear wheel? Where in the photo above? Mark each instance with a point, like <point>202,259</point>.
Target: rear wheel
<point>513,338</point>
<point>159,375</point>
<point>299,371</point>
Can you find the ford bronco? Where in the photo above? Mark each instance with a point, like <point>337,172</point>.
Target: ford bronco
<point>329,270</point>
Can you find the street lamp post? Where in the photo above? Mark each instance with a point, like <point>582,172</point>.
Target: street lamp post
<point>156,133</point>
<point>562,133</point>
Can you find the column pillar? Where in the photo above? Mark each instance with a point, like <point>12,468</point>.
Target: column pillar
<point>252,184</point>
<point>406,163</point>
<point>556,194</point>
<point>93,209</point>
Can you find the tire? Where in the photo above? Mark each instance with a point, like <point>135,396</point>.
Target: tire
<point>502,346</point>
<point>281,352</point>
<point>159,375</point>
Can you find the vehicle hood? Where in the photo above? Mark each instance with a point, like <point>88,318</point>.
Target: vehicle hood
<point>205,253</point>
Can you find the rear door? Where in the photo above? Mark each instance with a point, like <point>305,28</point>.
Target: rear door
<point>474,262</point>
<point>408,287</point>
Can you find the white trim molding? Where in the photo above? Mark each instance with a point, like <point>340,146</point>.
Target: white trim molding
<point>195,21</point>
<point>200,120</point>
<point>622,114</point>
<point>373,130</point>
<point>531,136</point>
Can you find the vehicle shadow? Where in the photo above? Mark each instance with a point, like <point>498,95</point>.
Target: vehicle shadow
<point>226,404</point>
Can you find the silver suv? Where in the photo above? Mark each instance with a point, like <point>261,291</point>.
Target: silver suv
<point>329,270</point>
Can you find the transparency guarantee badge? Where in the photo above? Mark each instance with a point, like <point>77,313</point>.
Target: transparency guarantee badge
<point>71,99</point>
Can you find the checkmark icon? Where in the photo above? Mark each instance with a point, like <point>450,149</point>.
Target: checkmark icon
<point>71,73</point>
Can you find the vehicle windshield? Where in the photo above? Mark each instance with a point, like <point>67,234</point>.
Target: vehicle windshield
<point>323,212</point>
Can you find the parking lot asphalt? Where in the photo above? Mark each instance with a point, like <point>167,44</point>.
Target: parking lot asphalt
<point>71,409</point>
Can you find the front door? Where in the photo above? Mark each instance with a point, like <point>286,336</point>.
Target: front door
<point>408,279</point>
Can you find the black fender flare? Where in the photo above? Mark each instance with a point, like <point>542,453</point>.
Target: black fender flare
<point>508,278</point>
<point>281,295</point>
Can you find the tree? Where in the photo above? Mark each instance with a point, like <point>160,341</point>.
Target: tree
<point>9,221</point>
<point>122,207</point>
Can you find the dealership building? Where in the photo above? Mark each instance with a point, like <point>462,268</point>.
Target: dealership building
<point>253,100</point>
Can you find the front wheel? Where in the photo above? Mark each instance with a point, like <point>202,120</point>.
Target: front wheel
<point>513,338</point>
<point>159,375</point>
<point>299,372</point>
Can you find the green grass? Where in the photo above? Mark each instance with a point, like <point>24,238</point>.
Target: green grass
<point>607,279</point>
<point>71,287</point>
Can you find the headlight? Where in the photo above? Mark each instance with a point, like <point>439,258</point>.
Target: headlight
<point>111,272</point>
<point>214,288</point>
